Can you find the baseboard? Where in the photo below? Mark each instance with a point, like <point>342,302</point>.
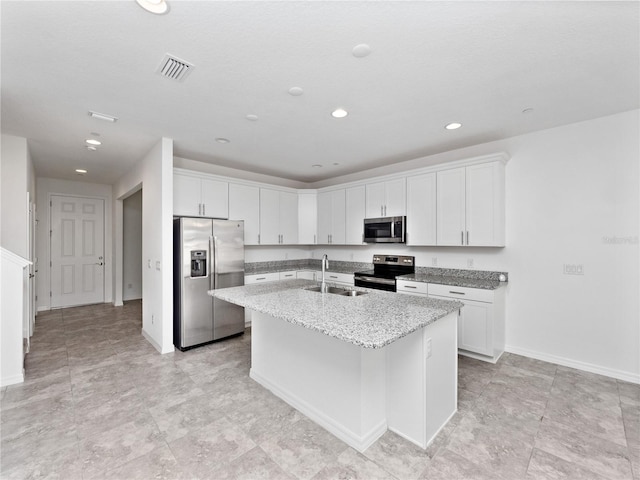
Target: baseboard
<point>156,345</point>
<point>360,443</point>
<point>568,362</point>
<point>43,308</point>
<point>12,380</point>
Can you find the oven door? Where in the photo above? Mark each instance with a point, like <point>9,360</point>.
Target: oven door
<point>379,283</point>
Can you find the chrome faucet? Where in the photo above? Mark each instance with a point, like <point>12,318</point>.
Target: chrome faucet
<point>325,265</point>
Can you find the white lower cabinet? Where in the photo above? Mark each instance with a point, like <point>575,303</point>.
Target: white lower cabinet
<point>342,278</point>
<point>481,323</point>
<point>290,275</point>
<point>261,278</point>
<point>306,274</point>
<point>412,288</point>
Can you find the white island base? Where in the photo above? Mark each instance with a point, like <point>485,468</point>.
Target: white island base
<point>356,393</point>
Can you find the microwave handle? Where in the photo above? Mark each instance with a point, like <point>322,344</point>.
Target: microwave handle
<point>393,229</point>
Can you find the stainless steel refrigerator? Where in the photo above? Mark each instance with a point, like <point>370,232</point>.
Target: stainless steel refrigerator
<point>207,254</point>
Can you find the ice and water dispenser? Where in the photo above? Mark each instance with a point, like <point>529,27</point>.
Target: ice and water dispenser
<point>198,263</point>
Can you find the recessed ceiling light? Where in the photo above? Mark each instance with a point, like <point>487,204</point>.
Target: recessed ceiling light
<point>296,91</point>
<point>81,171</point>
<point>316,165</point>
<point>336,163</point>
<point>93,141</point>
<point>252,117</point>
<point>339,113</point>
<point>103,116</point>
<point>453,126</point>
<point>154,6</point>
<point>361,50</point>
<point>222,140</point>
<point>92,148</point>
<point>527,110</point>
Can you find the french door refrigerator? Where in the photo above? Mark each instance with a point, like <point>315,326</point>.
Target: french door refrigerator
<point>207,254</point>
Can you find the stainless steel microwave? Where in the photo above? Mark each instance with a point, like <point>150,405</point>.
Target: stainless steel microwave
<point>385,230</point>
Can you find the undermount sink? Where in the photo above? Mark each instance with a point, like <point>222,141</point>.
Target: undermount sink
<point>337,291</point>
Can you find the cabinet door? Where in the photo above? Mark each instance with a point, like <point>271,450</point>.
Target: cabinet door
<point>288,218</point>
<point>375,198</point>
<point>324,217</point>
<point>421,209</point>
<point>269,216</point>
<point>307,218</point>
<point>186,195</point>
<point>215,198</point>
<point>450,206</point>
<point>395,198</point>
<point>354,215</point>
<point>338,214</point>
<point>485,205</point>
<point>475,327</point>
<point>244,204</point>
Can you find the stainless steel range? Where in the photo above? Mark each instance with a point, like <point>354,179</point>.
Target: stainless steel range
<point>385,270</point>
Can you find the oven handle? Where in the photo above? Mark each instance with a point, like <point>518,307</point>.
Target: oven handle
<point>384,281</point>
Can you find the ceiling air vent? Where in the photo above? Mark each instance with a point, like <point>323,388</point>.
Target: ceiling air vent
<point>174,68</point>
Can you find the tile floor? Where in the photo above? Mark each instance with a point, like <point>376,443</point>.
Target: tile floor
<point>100,402</point>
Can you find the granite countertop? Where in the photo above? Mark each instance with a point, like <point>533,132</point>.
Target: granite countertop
<point>483,283</point>
<point>373,320</point>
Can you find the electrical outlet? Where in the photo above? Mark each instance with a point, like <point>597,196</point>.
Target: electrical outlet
<point>434,261</point>
<point>470,262</point>
<point>573,269</point>
<point>152,319</point>
<point>157,264</point>
<point>286,256</point>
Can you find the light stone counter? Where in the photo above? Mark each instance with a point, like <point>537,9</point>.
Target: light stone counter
<point>373,320</point>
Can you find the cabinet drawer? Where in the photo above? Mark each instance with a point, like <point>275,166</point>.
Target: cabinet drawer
<point>417,288</point>
<point>287,275</point>
<point>260,278</point>
<point>346,278</point>
<point>463,293</point>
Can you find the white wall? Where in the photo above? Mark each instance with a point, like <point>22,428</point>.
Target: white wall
<point>16,180</point>
<point>50,186</point>
<point>572,198</point>
<point>154,173</point>
<point>132,247</point>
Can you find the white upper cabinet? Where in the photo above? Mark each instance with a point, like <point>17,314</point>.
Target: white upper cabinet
<point>421,209</point>
<point>199,196</point>
<point>470,205</point>
<point>355,212</point>
<point>307,218</point>
<point>331,217</point>
<point>386,199</point>
<point>278,217</point>
<point>244,204</point>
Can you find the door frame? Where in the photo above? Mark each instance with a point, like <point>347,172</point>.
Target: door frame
<point>105,234</point>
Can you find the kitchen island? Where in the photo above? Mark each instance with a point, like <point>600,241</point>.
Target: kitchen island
<point>357,365</point>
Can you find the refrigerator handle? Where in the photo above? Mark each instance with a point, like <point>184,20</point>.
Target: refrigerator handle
<point>213,245</point>
<point>212,264</point>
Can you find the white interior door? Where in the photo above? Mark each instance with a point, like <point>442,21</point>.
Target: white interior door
<point>77,251</point>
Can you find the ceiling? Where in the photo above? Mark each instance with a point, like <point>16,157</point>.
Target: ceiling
<point>431,63</point>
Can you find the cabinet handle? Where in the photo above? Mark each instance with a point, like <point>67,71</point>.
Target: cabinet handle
<point>314,239</point>
<point>199,209</point>
<point>456,293</point>
<point>409,286</point>
<point>258,239</point>
<point>467,237</point>
<point>461,237</point>
<point>203,210</point>
<point>261,278</point>
<point>332,276</point>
